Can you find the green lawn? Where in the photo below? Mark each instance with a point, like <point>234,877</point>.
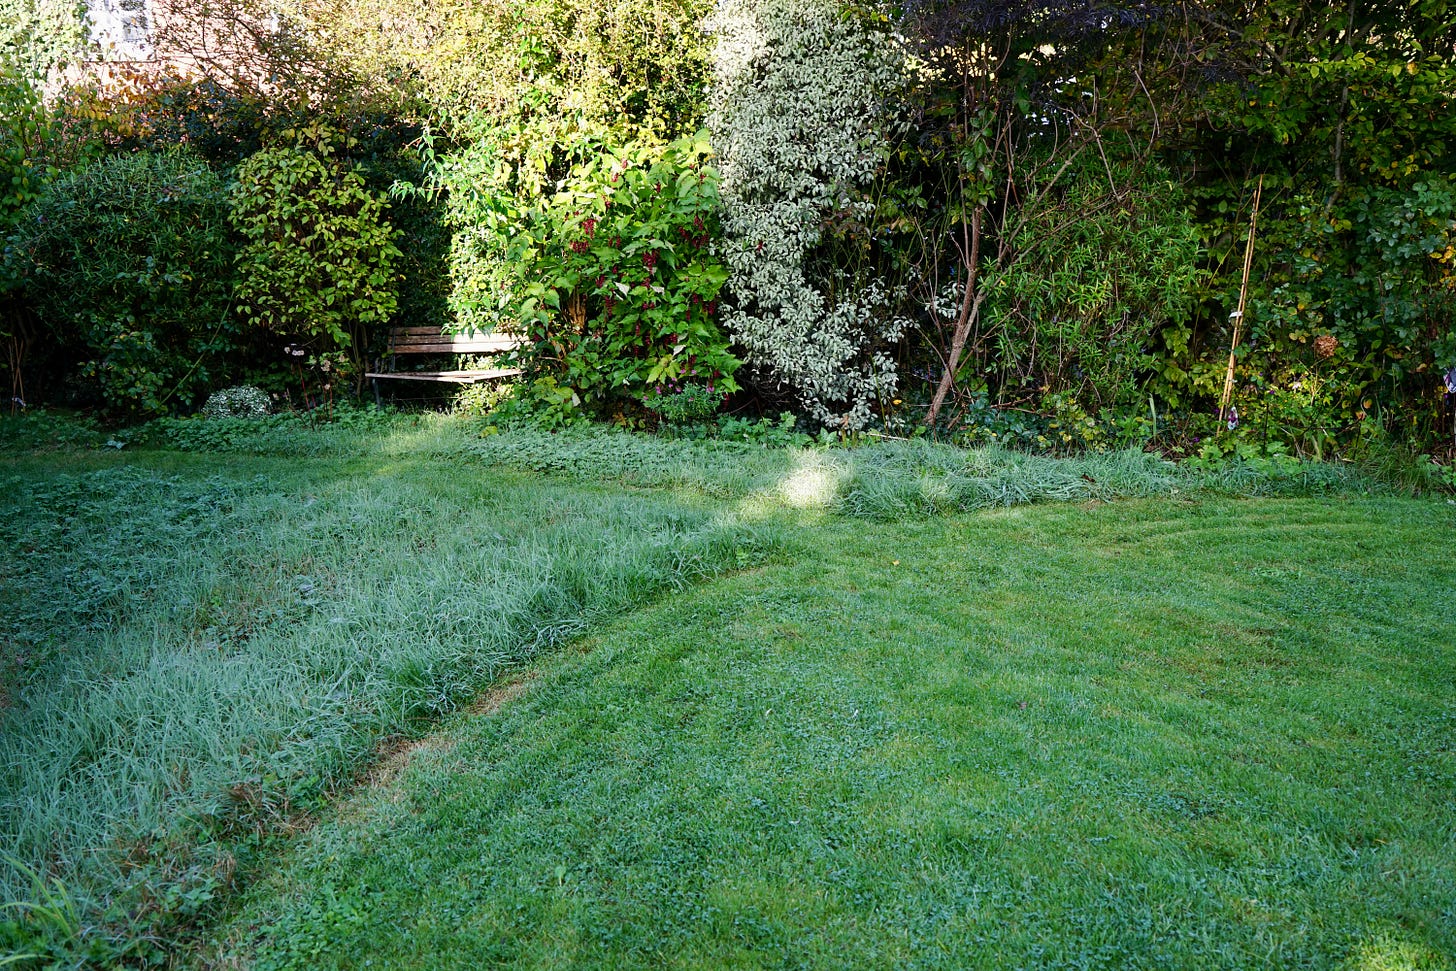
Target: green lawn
<point>390,694</point>
<point>1213,734</point>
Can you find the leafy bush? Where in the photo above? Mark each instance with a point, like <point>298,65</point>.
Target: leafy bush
<point>129,260</point>
<point>613,277</point>
<point>620,284</point>
<point>1104,261</point>
<point>388,156</point>
<point>531,89</point>
<point>1355,256</point>
<point>317,263</point>
<point>22,123</point>
<point>798,123</point>
<point>143,111</point>
<point>40,36</point>
<point>21,175</point>
<point>556,67</point>
<point>244,401</point>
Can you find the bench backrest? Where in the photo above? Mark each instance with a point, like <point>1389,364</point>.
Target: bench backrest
<point>429,340</point>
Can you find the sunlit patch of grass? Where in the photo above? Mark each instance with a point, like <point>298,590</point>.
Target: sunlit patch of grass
<point>815,482</point>
<point>1388,952</point>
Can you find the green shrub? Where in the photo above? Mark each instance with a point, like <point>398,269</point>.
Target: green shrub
<point>802,130</point>
<point>620,281</point>
<point>22,124</point>
<point>223,124</point>
<point>21,176</point>
<point>388,157</point>
<point>1105,260</point>
<point>244,401</point>
<point>41,35</point>
<point>317,261</point>
<point>38,138</point>
<point>613,277</point>
<point>127,261</point>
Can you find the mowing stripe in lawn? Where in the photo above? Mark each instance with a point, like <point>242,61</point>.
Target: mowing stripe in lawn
<point>1215,734</point>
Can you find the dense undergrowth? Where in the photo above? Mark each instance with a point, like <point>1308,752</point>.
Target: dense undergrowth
<point>860,212</point>
<point>211,626</point>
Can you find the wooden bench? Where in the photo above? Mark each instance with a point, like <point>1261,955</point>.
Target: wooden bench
<point>429,340</point>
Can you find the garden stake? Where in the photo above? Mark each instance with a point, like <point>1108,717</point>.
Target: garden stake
<point>1228,381</point>
<point>16,345</point>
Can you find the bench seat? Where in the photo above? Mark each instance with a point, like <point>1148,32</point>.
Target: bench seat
<point>429,340</point>
<point>457,377</point>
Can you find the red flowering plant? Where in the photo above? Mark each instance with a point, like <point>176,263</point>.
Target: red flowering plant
<point>620,283</point>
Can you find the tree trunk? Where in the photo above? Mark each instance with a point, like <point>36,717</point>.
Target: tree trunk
<point>970,312</point>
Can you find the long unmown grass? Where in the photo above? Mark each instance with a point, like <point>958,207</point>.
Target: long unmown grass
<point>195,653</point>
<point>889,479</point>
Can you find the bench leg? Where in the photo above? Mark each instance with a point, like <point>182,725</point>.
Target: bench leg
<point>377,402</point>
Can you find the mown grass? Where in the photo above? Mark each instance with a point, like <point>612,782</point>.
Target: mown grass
<point>206,640</point>
<point>1213,734</point>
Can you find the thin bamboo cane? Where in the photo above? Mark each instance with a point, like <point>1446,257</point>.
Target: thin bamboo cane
<point>1228,381</point>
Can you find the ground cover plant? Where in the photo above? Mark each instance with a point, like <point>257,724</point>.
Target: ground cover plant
<point>1145,734</point>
